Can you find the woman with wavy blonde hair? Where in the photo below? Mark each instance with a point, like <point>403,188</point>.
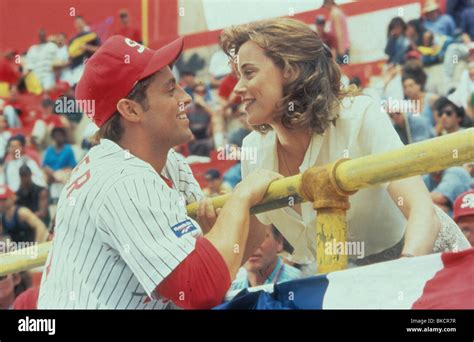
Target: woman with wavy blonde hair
<point>291,89</point>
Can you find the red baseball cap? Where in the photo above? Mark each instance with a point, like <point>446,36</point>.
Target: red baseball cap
<point>5,192</point>
<point>463,205</point>
<point>114,69</point>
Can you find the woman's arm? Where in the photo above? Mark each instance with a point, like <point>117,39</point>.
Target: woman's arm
<point>414,200</point>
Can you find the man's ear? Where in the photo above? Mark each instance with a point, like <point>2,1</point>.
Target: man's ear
<point>130,110</point>
<point>16,279</point>
<point>280,245</point>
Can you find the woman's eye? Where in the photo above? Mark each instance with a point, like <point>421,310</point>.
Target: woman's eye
<point>248,73</point>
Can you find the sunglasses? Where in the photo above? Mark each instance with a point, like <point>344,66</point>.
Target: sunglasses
<point>448,112</point>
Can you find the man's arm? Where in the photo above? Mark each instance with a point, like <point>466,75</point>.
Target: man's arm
<point>26,215</point>
<point>42,204</point>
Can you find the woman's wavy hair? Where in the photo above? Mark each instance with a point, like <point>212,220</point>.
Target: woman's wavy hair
<point>312,98</point>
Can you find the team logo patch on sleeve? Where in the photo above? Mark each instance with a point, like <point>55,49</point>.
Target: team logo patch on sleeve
<point>181,228</point>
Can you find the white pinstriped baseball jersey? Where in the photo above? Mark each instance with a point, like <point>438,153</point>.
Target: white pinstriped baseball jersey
<point>120,230</point>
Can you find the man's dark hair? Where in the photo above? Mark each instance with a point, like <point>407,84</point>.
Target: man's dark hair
<point>25,170</point>
<point>113,129</point>
<point>61,130</point>
<point>443,102</point>
<point>20,138</point>
<point>278,236</point>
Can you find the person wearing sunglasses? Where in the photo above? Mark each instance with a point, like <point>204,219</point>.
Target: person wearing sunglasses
<point>450,116</point>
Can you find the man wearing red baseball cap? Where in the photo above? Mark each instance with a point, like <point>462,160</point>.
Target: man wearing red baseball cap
<point>122,236</point>
<point>463,214</point>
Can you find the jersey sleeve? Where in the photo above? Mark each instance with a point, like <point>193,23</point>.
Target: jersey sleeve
<point>143,221</point>
<point>188,185</point>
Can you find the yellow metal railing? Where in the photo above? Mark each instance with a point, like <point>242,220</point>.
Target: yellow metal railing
<point>328,187</point>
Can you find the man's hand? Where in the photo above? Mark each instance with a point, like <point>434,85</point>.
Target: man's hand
<point>255,185</point>
<point>206,214</point>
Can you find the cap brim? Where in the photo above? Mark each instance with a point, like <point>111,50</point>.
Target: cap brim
<point>163,57</point>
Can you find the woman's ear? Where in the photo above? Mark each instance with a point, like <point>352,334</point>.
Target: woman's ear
<point>129,110</point>
<point>290,73</point>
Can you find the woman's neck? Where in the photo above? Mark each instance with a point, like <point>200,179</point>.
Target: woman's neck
<point>293,143</point>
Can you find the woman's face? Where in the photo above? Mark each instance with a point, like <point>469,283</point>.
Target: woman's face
<point>410,32</point>
<point>260,85</point>
<point>411,88</point>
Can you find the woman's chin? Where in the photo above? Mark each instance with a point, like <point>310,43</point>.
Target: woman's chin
<point>255,119</point>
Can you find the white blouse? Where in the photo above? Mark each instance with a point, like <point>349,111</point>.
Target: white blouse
<point>363,128</point>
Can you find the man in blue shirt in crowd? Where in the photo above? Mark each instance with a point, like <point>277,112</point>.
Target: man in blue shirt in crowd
<point>436,22</point>
<point>265,266</point>
<point>447,185</point>
<point>58,161</point>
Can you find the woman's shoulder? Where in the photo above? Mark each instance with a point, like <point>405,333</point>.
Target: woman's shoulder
<point>353,107</point>
<point>257,140</point>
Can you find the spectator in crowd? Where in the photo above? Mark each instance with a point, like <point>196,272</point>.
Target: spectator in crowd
<point>219,68</point>
<point>414,32</point>
<point>455,8</point>
<point>436,22</point>
<point>467,23</point>
<point>32,196</point>
<point>326,37</point>
<point>187,80</point>
<point>265,266</point>
<point>339,29</point>
<point>81,47</point>
<point>12,108</point>
<point>463,214</point>
<point>200,116</point>
<point>433,48</point>
<point>58,161</point>
<point>409,127</point>
<point>62,56</point>
<point>39,60</point>
<point>215,185</point>
<point>397,43</point>
<point>226,93</point>
<point>9,71</point>
<point>20,223</point>
<point>450,116</point>
<point>464,94</point>
<point>445,186</point>
<point>5,135</point>
<point>15,159</point>
<point>414,81</point>
<point>237,135</point>
<point>126,29</point>
<point>11,285</point>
